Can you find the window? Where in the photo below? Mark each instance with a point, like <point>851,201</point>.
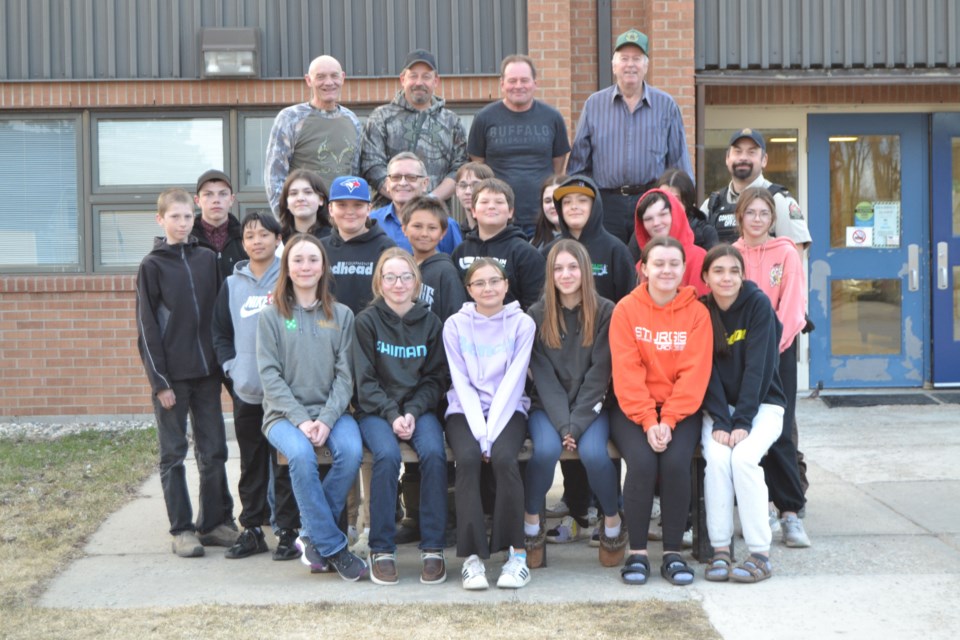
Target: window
<point>123,238</point>
<point>255,133</point>
<point>782,159</point>
<point>39,224</point>
<point>157,152</point>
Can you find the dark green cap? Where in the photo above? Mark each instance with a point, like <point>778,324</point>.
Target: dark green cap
<point>635,38</point>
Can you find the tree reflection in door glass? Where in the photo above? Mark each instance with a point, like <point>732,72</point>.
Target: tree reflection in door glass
<point>862,169</point>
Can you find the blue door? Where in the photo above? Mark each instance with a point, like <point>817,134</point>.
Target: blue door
<point>869,218</point>
<point>945,228</point>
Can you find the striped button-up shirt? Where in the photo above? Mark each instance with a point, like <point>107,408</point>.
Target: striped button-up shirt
<point>617,148</point>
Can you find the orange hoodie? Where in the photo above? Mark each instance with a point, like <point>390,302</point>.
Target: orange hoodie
<point>662,356</point>
<point>679,229</point>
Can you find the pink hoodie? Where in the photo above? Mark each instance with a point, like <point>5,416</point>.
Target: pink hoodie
<point>679,229</point>
<point>775,267</point>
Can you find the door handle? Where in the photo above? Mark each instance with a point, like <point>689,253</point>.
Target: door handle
<point>913,267</point>
<point>943,265</point>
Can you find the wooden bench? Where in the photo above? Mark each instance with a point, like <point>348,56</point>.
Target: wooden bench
<point>702,550</point>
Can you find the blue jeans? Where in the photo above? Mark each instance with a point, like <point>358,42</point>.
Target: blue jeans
<point>428,442</point>
<point>592,448</point>
<point>321,504</point>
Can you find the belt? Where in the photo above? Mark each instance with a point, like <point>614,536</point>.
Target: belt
<point>631,189</point>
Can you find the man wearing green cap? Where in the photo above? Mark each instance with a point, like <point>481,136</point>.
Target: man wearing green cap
<point>628,135</point>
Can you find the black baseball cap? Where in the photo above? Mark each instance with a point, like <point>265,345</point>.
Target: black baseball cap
<point>213,175</point>
<point>420,55</point>
<point>753,134</point>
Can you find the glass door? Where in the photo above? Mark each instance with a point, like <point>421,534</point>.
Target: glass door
<point>868,218</point>
<point>945,229</point>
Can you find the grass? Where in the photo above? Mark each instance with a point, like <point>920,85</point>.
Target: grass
<point>55,494</point>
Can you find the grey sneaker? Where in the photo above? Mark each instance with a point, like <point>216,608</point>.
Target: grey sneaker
<point>774,521</point>
<point>222,535</point>
<point>186,545</point>
<point>793,532</point>
<point>350,567</point>
<point>558,510</point>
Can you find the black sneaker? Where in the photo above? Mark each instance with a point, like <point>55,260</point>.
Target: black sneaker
<point>286,545</point>
<point>249,543</point>
<point>350,567</point>
<point>310,556</point>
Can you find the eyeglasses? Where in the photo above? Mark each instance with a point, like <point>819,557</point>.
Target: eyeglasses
<point>762,214</point>
<point>409,177</point>
<point>463,186</point>
<point>480,285</point>
<point>390,279</point>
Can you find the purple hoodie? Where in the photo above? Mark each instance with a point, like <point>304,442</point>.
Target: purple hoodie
<point>488,360</point>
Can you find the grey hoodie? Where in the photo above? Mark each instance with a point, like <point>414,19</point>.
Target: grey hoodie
<point>235,316</point>
<point>305,364</point>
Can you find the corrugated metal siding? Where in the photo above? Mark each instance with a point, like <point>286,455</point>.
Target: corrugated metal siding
<point>826,34</point>
<point>109,39</point>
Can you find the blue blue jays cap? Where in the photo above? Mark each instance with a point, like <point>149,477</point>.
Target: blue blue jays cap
<point>350,188</point>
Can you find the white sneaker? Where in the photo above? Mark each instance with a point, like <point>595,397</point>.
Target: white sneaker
<point>474,574</point>
<point>361,547</point>
<point>515,573</point>
<point>774,521</point>
<point>688,538</point>
<point>655,511</point>
<point>558,510</point>
<point>794,534</point>
<point>654,532</point>
<point>352,535</point>
<point>593,516</point>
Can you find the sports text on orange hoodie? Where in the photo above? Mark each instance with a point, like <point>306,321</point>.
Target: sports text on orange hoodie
<point>662,356</point>
<point>679,229</point>
<point>775,267</point>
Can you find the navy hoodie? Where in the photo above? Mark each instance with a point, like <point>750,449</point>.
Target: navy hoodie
<point>523,264</point>
<point>398,363</point>
<point>176,289</point>
<point>613,270</point>
<point>442,289</point>
<point>352,262</point>
<point>748,375</point>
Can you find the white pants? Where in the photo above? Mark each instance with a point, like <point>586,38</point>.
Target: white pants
<point>737,472</point>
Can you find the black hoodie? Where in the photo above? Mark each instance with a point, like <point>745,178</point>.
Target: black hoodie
<point>748,375</point>
<point>233,251</point>
<point>613,270</point>
<point>524,264</point>
<point>352,262</point>
<point>442,290</point>
<point>176,290</point>
<point>399,363</point>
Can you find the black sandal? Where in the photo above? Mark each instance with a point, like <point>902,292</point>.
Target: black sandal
<point>675,570</point>
<point>636,570</point>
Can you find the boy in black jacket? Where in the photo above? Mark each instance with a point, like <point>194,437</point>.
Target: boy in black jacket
<point>176,289</point>
<point>425,222</point>
<point>215,227</point>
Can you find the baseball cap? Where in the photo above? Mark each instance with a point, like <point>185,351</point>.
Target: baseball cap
<point>350,188</point>
<point>212,175</point>
<point>574,185</point>
<point>634,37</point>
<point>420,55</point>
<point>753,134</point>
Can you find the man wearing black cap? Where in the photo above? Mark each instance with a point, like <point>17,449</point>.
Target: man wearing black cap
<point>746,157</point>
<point>628,134</point>
<point>215,227</point>
<point>416,121</point>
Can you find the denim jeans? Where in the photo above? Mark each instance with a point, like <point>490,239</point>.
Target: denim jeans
<point>200,398</point>
<point>428,442</point>
<point>321,504</point>
<point>592,448</point>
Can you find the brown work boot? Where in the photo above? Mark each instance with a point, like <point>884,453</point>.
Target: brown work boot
<point>434,568</point>
<point>536,548</point>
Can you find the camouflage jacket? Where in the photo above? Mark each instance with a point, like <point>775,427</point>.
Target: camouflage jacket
<point>304,137</point>
<point>436,135</point>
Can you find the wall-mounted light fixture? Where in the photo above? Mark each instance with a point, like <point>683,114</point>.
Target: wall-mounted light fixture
<point>229,53</point>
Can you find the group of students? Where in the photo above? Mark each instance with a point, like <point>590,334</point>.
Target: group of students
<point>347,341</point>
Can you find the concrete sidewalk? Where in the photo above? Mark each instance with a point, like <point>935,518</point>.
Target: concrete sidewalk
<point>882,515</point>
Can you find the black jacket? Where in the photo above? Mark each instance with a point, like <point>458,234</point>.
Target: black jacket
<point>352,262</point>
<point>523,264</point>
<point>176,290</point>
<point>613,271</point>
<point>748,375</point>
<point>232,251</point>
<point>399,363</point>
<point>442,290</point>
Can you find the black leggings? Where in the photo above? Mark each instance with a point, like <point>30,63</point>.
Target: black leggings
<point>644,465</point>
<point>780,466</point>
